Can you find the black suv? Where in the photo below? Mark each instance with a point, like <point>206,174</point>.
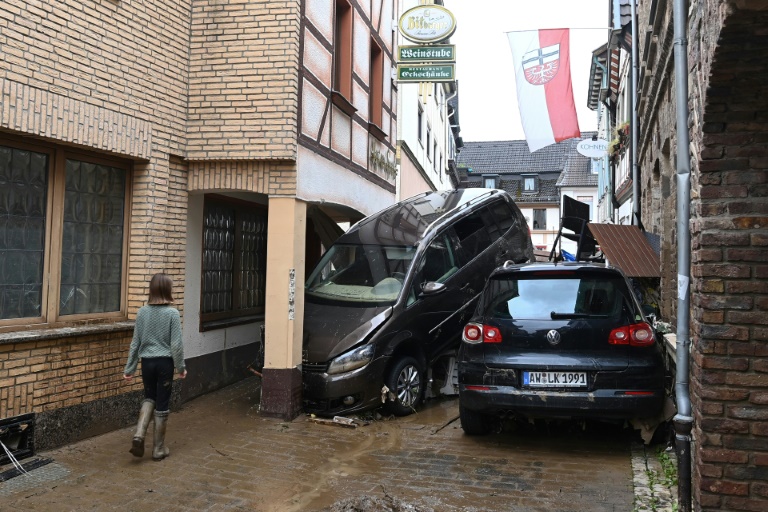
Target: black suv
<point>558,340</point>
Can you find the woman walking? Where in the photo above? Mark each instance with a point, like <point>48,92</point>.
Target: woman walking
<point>157,341</point>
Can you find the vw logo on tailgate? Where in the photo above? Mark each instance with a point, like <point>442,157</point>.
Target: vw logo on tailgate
<point>553,337</point>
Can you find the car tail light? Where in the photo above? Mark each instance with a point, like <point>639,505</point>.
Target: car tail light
<point>478,333</point>
<point>491,334</point>
<point>636,335</point>
<point>473,333</point>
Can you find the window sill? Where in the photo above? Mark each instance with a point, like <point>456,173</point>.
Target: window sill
<point>63,332</point>
<point>377,132</point>
<point>343,103</point>
<point>212,325</point>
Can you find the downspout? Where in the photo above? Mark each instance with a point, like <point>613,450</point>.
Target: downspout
<point>683,420</point>
<point>634,128</point>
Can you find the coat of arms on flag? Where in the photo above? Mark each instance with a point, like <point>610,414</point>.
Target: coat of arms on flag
<point>544,91</point>
<point>541,64</point>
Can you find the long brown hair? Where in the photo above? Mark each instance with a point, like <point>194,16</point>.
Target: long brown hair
<point>160,289</point>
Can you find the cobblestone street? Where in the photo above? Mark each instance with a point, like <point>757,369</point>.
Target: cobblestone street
<point>224,456</point>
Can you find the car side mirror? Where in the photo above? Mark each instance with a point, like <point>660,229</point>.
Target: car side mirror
<point>432,288</point>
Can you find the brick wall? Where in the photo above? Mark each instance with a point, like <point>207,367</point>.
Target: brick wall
<point>193,92</point>
<point>730,263</point>
<point>728,108</point>
<point>47,374</point>
<point>243,89</point>
<point>264,177</point>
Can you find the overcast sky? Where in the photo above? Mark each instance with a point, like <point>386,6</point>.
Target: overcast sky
<point>487,100</point>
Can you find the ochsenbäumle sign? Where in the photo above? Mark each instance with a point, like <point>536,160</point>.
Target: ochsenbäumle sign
<point>427,24</point>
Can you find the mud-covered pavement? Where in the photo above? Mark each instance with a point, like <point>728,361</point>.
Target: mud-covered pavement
<point>224,456</point>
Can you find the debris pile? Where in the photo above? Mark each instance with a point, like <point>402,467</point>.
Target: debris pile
<point>375,504</point>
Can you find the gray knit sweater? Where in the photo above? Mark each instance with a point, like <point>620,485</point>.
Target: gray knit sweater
<point>157,334</point>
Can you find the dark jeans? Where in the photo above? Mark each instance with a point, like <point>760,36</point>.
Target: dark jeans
<point>157,374</point>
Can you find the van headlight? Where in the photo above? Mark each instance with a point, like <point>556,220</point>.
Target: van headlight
<point>352,360</point>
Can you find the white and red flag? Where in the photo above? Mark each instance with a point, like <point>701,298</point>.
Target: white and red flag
<point>544,90</point>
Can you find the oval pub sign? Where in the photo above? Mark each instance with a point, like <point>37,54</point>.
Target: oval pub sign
<point>427,24</point>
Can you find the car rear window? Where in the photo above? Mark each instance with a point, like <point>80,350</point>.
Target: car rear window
<point>546,297</point>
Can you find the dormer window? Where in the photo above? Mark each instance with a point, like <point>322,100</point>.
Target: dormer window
<point>490,181</point>
<point>530,184</point>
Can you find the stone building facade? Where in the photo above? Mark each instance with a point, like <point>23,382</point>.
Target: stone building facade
<point>728,110</point>
<point>192,137</point>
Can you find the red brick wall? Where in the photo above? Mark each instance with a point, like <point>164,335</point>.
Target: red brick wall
<point>729,370</point>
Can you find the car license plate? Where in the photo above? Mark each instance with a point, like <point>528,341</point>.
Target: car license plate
<point>555,379</point>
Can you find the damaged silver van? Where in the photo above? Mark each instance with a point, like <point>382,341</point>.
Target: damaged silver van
<point>392,294</point>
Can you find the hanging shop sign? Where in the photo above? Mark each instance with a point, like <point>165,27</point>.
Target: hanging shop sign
<point>427,24</point>
<point>593,148</point>
<point>426,73</point>
<point>431,53</point>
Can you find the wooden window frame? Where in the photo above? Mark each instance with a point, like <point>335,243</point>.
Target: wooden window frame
<point>343,49</point>
<point>54,229</point>
<point>376,84</point>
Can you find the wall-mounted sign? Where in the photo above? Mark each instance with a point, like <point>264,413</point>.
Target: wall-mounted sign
<point>427,24</point>
<point>593,148</point>
<point>426,73</point>
<point>381,162</point>
<point>432,53</point>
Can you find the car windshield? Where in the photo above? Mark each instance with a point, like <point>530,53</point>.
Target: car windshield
<point>552,297</point>
<point>364,274</point>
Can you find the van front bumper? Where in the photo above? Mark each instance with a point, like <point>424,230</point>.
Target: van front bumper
<point>324,394</point>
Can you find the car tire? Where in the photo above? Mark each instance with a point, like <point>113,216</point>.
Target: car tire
<point>474,423</point>
<point>405,381</point>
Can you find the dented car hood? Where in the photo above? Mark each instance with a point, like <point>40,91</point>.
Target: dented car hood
<point>332,330</point>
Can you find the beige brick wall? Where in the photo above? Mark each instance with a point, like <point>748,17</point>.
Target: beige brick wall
<point>264,177</point>
<point>40,376</point>
<point>243,89</point>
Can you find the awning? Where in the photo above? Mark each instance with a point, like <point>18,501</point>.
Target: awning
<point>627,248</point>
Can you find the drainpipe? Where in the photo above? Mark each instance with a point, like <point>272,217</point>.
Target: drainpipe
<point>683,420</point>
<point>634,125</point>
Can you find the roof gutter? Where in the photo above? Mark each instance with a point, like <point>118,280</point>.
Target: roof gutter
<point>683,420</point>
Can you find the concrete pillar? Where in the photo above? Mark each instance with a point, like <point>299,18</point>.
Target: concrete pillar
<point>281,383</point>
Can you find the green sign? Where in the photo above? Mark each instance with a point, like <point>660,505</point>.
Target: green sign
<point>442,52</point>
<point>426,73</point>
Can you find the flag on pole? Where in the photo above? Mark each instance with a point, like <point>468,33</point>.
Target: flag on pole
<point>544,90</point>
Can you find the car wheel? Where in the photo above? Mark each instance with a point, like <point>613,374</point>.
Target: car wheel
<point>474,423</point>
<point>405,383</point>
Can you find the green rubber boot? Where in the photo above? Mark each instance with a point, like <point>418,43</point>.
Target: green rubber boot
<point>145,415</point>
<point>160,451</point>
